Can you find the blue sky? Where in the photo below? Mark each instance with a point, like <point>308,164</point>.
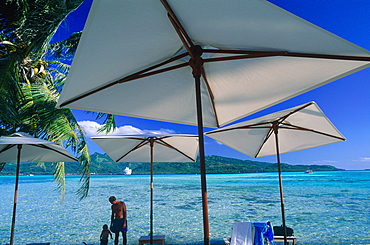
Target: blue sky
<point>345,101</point>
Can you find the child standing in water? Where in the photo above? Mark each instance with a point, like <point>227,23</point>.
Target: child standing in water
<point>105,233</point>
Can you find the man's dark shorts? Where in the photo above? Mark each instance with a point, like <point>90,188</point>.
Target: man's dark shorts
<point>117,226</point>
<point>104,242</point>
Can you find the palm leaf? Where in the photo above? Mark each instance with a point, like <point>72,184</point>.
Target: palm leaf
<point>59,177</point>
<point>32,73</point>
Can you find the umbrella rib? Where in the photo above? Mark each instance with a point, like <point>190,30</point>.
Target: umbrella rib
<point>212,97</point>
<point>7,148</point>
<point>49,148</point>
<point>145,71</point>
<point>290,54</point>
<point>152,73</point>
<point>161,142</point>
<point>236,51</point>
<point>138,146</point>
<point>40,146</point>
<point>294,127</point>
<point>267,136</point>
<point>256,54</point>
<point>246,56</point>
<point>2,165</point>
<point>328,56</point>
<point>137,75</point>
<point>181,32</point>
<point>158,140</point>
<point>252,126</point>
<point>281,119</point>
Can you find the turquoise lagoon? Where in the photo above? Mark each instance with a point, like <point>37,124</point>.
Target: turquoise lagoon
<point>322,208</point>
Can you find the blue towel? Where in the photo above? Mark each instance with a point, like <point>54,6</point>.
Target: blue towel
<point>269,233</point>
<point>260,228</point>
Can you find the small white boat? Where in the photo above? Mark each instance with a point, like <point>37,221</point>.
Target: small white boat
<point>127,171</point>
<point>309,172</point>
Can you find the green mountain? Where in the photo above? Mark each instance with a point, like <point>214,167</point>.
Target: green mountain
<point>103,164</point>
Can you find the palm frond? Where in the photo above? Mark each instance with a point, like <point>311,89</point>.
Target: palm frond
<point>109,124</point>
<point>2,165</point>
<point>61,125</point>
<point>66,48</point>
<point>59,177</point>
<point>85,173</point>
<point>32,73</point>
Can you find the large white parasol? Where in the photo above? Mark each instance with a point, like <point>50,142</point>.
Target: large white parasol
<point>200,62</point>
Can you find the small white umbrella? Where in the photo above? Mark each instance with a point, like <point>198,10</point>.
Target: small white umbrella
<point>298,128</point>
<point>21,147</point>
<point>140,148</point>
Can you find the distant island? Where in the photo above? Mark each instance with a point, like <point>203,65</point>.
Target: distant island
<point>102,164</point>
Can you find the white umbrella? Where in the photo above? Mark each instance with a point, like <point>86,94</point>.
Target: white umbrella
<point>140,59</point>
<point>20,147</point>
<point>298,128</point>
<point>140,148</point>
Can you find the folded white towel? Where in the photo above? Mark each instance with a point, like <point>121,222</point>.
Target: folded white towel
<point>242,233</point>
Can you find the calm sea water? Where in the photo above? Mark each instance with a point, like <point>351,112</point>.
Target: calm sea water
<point>322,208</point>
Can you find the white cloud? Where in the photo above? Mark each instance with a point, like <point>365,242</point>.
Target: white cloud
<point>324,162</point>
<point>90,128</point>
<point>127,129</point>
<point>160,131</point>
<point>363,159</point>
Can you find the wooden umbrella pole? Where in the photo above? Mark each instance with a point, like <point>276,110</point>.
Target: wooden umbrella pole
<point>151,140</point>
<point>196,64</point>
<point>276,129</point>
<point>202,169</point>
<point>19,147</point>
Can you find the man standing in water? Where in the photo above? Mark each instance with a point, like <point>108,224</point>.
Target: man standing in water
<point>118,219</point>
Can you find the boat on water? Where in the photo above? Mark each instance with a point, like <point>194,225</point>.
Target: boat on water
<point>127,171</point>
<point>309,172</point>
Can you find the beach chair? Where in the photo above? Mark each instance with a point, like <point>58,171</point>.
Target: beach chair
<point>44,243</point>
<point>279,235</point>
<point>241,234</point>
<point>156,239</point>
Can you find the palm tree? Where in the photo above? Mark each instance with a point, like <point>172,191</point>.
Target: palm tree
<point>32,73</point>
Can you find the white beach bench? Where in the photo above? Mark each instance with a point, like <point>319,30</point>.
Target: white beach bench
<point>156,239</point>
<point>43,243</point>
<point>291,239</point>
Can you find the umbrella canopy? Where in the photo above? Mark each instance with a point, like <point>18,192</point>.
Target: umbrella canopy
<point>255,55</point>
<point>33,149</point>
<point>140,59</point>
<point>298,128</point>
<point>150,147</point>
<point>301,127</point>
<point>20,147</point>
<point>136,148</point>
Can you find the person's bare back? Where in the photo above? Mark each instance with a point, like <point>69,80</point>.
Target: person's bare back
<point>118,209</point>
<point>118,219</point>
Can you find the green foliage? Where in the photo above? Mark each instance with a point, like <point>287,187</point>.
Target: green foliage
<point>32,73</point>
<point>102,164</point>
